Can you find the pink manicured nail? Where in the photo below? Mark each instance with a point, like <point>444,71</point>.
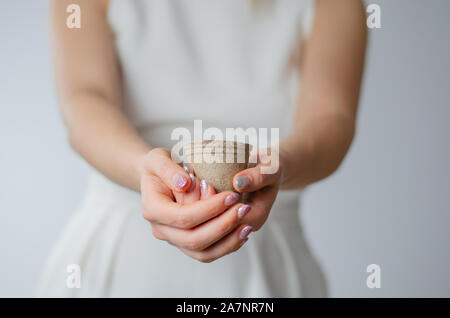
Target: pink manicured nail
<point>245,232</point>
<point>203,187</point>
<point>243,210</point>
<point>231,198</point>
<point>179,181</point>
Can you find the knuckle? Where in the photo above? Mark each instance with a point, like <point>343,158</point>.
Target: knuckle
<point>204,258</point>
<point>261,178</point>
<point>183,221</point>
<point>146,212</point>
<point>166,167</point>
<point>228,223</point>
<point>153,154</point>
<point>159,151</point>
<point>157,234</point>
<point>194,244</point>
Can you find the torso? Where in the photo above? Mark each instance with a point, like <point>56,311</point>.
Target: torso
<point>224,62</point>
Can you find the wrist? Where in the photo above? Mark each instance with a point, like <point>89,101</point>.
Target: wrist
<point>140,164</point>
<point>284,164</point>
<point>295,158</point>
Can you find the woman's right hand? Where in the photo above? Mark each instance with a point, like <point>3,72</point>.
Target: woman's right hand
<point>202,224</point>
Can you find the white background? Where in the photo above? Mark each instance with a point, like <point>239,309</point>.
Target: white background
<point>388,204</point>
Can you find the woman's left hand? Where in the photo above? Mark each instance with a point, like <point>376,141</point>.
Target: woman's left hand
<point>262,184</point>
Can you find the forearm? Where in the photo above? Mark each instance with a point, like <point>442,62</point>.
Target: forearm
<point>331,76</point>
<point>103,136</point>
<point>88,79</point>
<point>315,149</point>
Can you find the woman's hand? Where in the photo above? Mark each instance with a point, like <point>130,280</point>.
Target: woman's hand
<point>263,187</point>
<point>202,224</point>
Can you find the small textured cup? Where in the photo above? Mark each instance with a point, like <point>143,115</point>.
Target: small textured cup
<point>217,161</point>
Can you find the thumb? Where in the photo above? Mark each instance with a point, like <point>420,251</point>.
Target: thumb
<point>265,173</point>
<point>252,179</point>
<point>174,176</point>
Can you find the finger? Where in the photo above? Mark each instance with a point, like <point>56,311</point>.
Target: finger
<point>172,174</point>
<point>261,202</point>
<point>206,190</point>
<point>251,179</point>
<point>229,244</point>
<point>264,197</point>
<point>206,234</point>
<point>160,208</point>
<point>190,195</point>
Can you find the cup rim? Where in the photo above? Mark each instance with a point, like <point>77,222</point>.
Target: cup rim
<point>227,146</point>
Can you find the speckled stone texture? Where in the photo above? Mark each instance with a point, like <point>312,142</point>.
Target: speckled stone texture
<point>212,163</point>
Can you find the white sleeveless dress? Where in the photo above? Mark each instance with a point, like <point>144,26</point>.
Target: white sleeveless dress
<point>228,64</point>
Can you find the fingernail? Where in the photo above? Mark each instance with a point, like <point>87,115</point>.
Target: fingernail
<point>245,232</point>
<point>179,181</point>
<point>231,198</point>
<point>191,175</point>
<point>242,182</point>
<point>243,210</point>
<point>203,187</point>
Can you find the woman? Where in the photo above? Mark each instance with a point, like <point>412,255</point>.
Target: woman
<point>136,70</point>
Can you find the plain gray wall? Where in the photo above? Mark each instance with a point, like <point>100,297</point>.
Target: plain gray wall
<point>388,204</point>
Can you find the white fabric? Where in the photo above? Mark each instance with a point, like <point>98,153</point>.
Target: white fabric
<point>226,63</point>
